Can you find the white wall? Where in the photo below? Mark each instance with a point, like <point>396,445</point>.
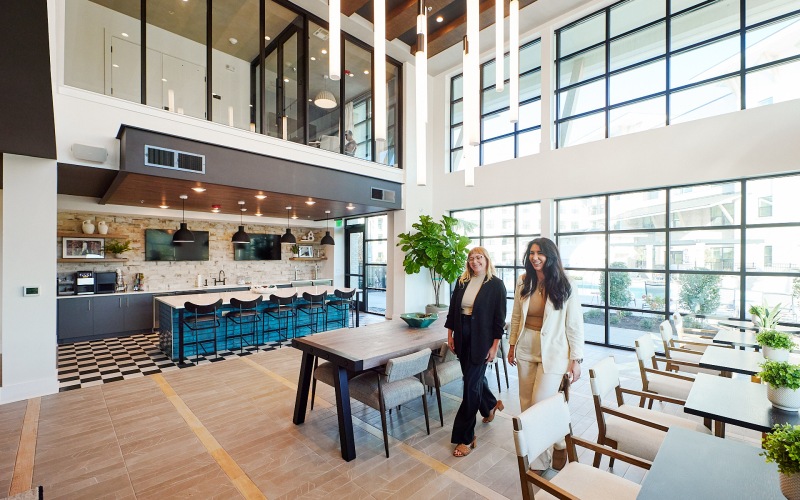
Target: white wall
<point>28,323</point>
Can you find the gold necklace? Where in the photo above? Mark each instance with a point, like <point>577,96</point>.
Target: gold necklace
<point>540,288</point>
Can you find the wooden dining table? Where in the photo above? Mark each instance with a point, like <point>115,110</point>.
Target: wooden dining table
<point>354,350</point>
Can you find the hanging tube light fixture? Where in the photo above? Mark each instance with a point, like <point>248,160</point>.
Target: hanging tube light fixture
<point>334,39</point>
<point>499,45</point>
<point>421,59</point>
<point>467,149</point>
<point>473,69</point>
<point>183,235</point>
<point>513,61</point>
<point>288,237</point>
<point>240,237</point>
<point>327,239</point>
<point>379,77</point>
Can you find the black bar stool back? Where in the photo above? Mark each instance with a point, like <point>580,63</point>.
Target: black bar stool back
<point>281,309</point>
<point>199,321</point>
<point>343,303</point>
<point>314,311</point>
<point>244,312</point>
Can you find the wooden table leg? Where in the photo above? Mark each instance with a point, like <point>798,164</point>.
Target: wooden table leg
<point>719,428</point>
<point>346,437</point>
<point>303,385</point>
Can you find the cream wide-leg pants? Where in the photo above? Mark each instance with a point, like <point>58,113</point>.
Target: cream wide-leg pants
<point>535,385</point>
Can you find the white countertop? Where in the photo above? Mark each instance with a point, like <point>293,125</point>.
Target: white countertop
<point>188,289</point>
<point>177,301</point>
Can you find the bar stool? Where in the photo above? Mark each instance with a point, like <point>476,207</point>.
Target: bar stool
<point>281,309</point>
<point>312,309</point>
<point>342,304</point>
<point>201,319</point>
<point>243,312</point>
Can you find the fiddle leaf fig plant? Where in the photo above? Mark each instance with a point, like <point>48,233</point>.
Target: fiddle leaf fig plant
<point>436,246</point>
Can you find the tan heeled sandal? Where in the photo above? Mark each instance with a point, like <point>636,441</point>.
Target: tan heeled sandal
<point>462,450</point>
<point>497,407</point>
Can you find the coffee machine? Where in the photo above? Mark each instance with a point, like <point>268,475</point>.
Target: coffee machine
<point>84,282</point>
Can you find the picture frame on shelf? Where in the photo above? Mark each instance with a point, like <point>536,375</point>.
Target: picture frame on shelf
<point>305,251</point>
<point>82,248</point>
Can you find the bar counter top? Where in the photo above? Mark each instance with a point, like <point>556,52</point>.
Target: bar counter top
<point>178,301</point>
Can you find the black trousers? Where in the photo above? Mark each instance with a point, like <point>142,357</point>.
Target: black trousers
<point>477,395</point>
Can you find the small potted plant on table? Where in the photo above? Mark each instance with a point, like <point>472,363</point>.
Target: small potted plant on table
<point>117,248</point>
<point>782,446</point>
<point>764,316</point>
<point>784,381</point>
<point>775,345</point>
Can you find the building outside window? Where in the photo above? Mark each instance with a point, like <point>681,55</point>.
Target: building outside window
<point>723,255</point>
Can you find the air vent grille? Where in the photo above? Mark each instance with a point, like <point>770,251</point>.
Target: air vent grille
<point>176,160</point>
<point>382,195</point>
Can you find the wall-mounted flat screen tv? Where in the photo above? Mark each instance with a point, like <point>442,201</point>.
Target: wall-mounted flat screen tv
<point>158,245</point>
<point>261,247</point>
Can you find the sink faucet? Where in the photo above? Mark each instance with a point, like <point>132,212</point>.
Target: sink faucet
<point>221,277</point>
<point>316,271</point>
<point>296,270</point>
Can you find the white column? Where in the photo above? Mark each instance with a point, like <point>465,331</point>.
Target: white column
<point>29,252</point>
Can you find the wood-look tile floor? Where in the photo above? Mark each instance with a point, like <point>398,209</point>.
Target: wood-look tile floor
<point>224,430</point>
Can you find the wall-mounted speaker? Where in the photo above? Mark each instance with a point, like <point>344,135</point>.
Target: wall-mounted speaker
<point>89,153</point>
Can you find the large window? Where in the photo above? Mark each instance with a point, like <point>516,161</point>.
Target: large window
<point>288,97</point>
<point>505,232</point>
<point>635,66</point>
<point>501,139</point>
<point>707,250</point>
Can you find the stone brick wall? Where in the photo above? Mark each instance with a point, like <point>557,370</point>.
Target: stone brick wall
<point>182,274</point>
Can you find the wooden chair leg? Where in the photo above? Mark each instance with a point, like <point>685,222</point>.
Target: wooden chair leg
<point>650,405</point>
<point>642,401</point>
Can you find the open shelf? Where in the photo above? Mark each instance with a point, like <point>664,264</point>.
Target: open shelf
<point>73,234</point>
<point>309,259</point>
<point>86,261</point>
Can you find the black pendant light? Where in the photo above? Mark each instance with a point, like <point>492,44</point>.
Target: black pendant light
<point>327,239</point>
<point>240,237</point>
<point>288,237</point>
<point>183,235</point>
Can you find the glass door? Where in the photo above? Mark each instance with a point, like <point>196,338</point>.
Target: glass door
<point>354,261</point>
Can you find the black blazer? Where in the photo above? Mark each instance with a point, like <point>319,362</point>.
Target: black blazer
<point>488,318</point>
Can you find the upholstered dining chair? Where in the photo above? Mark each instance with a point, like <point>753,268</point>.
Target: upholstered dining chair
<point>656,380</point>
<point>502,349</point>
<point>541,426</point>
<point>443,368</point>
<point>681,355</point>
<point>629,428</point>
<point>397,383</point>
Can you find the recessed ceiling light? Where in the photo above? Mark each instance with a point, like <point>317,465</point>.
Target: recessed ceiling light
<point>267,38</point>
<point>199,189</point>
<point>288,208</point>
<point>216,208</point>
<point>366,71</point>
<point>313,58</point>
<point>261,196</point>
<point>115,65</point>
<point>439,19</point>
<point>324,51</point>
<point>286,80</point>
<point>125,35</point>
<point>163,79</point>
<point>163,206</point>
<point>233,41</point>
<point>350,207</point>
<point>310,202</point>
<point>310,100</point>
<point>258,214</point>
<point>294,216</point>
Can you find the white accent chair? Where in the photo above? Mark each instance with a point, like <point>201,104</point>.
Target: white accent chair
<point>697,337</point>
<point>541,426</point>
<point>629,428</point>
<point>680,354</point>
<point>656,380</point>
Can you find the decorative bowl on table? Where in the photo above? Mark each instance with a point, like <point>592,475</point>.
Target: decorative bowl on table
<point>419,320</point>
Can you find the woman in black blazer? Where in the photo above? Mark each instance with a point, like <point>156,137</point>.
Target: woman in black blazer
<point>475,325</point>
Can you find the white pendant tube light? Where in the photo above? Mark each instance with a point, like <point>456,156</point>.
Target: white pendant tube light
<point>334,39</point>
<point>513,61</point>
<point>379,78</point>
<point>473,91</point>
<point>421,60</point>
<point>499,45</point>
<point>467,155</point>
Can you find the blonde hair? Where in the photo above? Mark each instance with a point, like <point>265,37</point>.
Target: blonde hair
<point>467,275</point>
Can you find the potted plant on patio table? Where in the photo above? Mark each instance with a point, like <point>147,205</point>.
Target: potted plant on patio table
<point>784,381</point>
<point>782,446</point>
<point>775,345</point>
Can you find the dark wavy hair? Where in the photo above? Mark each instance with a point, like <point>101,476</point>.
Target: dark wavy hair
<point>558,287</point>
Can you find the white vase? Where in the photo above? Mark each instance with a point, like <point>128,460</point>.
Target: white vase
<point>790,486</point>
<point>102,227</point>
<point>87,227</point>
<point>784,398</point>
<point>773,354</point>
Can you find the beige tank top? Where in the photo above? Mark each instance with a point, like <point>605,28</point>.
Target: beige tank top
<point>535,316</point>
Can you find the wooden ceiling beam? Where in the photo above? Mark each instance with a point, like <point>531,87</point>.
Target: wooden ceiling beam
<point>349,7</point>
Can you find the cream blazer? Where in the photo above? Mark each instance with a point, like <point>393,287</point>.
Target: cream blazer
<point>562,331</point>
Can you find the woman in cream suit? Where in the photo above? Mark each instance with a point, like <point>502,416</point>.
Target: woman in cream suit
<point>546,335</point>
